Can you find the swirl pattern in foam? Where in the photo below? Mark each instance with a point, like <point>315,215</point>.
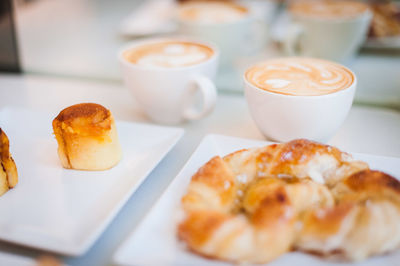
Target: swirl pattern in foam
<point>168,54</point>
<point>329,9</point>
<point>300,76</point>
<point>211,12</point>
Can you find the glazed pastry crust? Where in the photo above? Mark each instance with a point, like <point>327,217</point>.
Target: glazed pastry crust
<point>254,205</point>
<point>8,169</point>
<point>87,137</point>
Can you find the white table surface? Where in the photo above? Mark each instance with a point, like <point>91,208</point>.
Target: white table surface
<point>366,130</point>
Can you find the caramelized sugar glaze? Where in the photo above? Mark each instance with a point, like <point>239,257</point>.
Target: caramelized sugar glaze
<point>169,54</point>
<point>331,9</point>
<point>300,76</point>
<point>86,119</point>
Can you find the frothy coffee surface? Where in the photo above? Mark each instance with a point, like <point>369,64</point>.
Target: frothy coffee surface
<point>300,76</point>
<point>330,9</point>
<point>168,54</point>
<point>211,12</point>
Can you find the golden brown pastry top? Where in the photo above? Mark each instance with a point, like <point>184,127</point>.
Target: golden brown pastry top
<point>368,184</point>
<point>372,180</point>
<point>296,152</point>
<point>88,119</point>
<point>7,164</point>
<point>4,145</point>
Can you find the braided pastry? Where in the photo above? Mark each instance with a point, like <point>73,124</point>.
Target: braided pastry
<point>254,205</point>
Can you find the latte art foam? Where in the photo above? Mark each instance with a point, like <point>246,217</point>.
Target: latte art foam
<point>330,9</point>
<point>168,54</point>
<point>211,12</point>
<point>300,76</point>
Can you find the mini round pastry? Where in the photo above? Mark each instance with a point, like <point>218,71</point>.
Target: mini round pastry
<point>254,205</point>
<point>8,169</point>
<point>87,137</point>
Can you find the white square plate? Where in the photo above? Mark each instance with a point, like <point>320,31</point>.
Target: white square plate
<point>62,210</point>
<point>155,243</point>
<point>16,260</point>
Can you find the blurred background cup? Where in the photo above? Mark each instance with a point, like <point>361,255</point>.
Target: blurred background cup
<point>299,97</point>
<point>228,24</point>
<point>225,23</point>
<point>171,78</point>
<point>329,29</point>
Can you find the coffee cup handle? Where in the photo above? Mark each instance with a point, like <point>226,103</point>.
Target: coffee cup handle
<point>209,97</point>
<point>291,41</point>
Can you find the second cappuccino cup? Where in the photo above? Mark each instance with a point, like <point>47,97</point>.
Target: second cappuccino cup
<point>171,79</point>
<point>297,97</point>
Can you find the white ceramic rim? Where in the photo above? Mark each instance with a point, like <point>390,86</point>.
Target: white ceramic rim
<point>137,43</point>
<point>332,94</point>
<point>367,14</point>
<point>248,16</point>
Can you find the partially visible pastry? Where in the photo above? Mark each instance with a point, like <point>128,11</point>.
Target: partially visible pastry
<point>87,137</point>
<point>47,260</point>
<point>8,170</point>
<point>386,19</point>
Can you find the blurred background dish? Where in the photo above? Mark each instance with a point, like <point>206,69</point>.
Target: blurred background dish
<point>83,36</point>
<point>152,17</point>
<point>228,24</point>
<point>385,26</point>
<point>223,23</point>
<point>384,31</point>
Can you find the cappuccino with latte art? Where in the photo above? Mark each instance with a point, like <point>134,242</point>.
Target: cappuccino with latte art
<point>170,76</point>
<point>299,97</point>
<point>300,76</point>
<point>169,54</point>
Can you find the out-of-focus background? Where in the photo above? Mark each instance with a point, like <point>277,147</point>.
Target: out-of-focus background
<point>71,37</point>
<point>80,39</point>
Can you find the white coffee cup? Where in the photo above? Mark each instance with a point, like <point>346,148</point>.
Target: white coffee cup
<point>168,94</point>
<point>335,38</point>
<point>231,37</point>
<point>282,117</point>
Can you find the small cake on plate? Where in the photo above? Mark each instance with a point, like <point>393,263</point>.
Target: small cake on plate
<point>87,137</point>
